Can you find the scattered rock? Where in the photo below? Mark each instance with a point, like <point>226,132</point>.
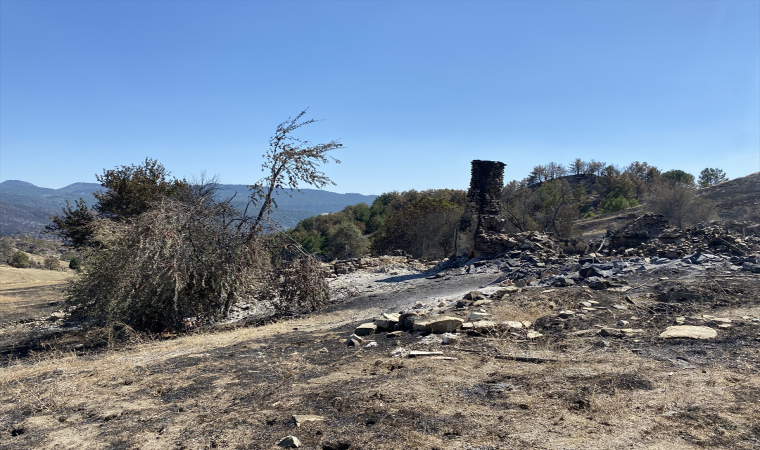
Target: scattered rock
<point>534,334</point>
<point>387,321</point>
<point>290,442</point>
<point>512,325</point>
<point>477,315</point>
<point>365,329</point>
<point>689,331</point>
<point>303,418</point>
<point>442,324</point>
<point>450,339</point>
<point>417,353</point>
<point>354,341</point>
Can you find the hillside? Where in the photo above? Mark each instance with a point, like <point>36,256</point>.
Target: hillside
<point>26,207</point>
<point>737,199</point>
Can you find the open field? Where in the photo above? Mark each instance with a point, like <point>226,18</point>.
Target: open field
<point>573,387</point>
<point>28,293</point>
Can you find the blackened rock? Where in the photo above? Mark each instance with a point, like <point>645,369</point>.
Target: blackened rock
<point>597,283</point>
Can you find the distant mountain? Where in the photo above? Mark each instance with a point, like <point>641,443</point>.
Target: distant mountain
<point>20,219</point>
<point>40,203</point>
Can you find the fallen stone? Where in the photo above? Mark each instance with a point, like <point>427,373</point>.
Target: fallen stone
<point>477,315</point>
<point>510,290</point>
<point>481,302</point>
<point>303,418</point>
<point>566,314</point>
<point>473,295</point>
<point>610,332</point>
<point>365,329</point>
<point>417,353</point>
<point>512,325</point>
<point>483,325</point>
<point>290,442</point>
<point>442,324</point>
<point>689,331</point>
<point>354,341</point>
<point>450,339</point>
<point>387,321</point>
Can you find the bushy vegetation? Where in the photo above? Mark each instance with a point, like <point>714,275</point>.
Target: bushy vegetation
<point>552,196</point>
<point>162,254</point>
<point>676,198</point>
<point>20,260</point>
<point>419,223</point>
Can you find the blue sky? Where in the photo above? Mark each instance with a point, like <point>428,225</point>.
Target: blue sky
<point>414,90</point>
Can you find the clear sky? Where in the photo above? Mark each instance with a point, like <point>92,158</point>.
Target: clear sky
<point>414,90</point>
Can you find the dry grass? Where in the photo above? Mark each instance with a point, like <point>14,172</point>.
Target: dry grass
<point>29,293</point>
<point>13,277</point>
<point>239,389</point>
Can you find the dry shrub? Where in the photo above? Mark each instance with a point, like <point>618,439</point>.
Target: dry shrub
<point>181,263</point>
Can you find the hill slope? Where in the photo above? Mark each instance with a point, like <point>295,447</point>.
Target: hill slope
<point>737,199</point>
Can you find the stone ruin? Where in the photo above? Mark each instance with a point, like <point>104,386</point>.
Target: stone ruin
<point>482,216</point>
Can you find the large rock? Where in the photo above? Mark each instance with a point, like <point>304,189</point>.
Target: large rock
<point>442,324</point>
<point>387,321</point>
<point>365,329</point>
<point>689,331</point>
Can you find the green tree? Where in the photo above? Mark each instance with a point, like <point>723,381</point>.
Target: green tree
<point>710,177</point>
<point>129,192</point>
<point>423,226</point>
<point>20,260</point>
<point>679,176</point>
<point>132,190</point>
<point>74,225</point>
<point>75,264</point>
<point>346,241</point>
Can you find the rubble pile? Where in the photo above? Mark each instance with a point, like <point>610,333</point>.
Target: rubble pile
<point>650,235</point>
<point>346,266</point>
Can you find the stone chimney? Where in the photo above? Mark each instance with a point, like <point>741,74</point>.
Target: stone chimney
<point>482,214</point>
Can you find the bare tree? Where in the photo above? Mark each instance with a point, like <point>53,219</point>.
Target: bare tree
<point>679,203</point>
<point>578,166</point>
<point>289,161</point>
